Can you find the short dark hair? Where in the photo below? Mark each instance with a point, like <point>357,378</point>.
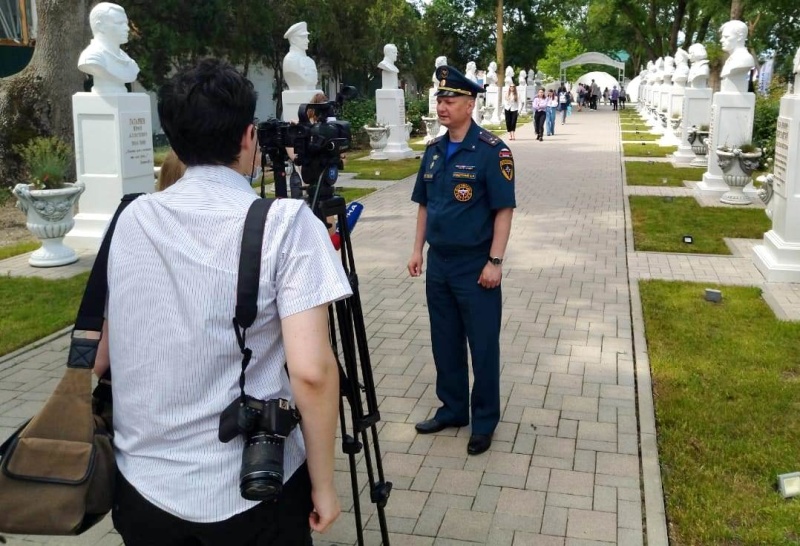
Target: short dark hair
<point>204,112</point>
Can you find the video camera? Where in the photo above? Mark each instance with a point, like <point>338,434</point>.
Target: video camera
<point>318,140</point>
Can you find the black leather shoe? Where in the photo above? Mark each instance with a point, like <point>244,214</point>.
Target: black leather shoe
<point>432,425</point>
<point>478,443</point>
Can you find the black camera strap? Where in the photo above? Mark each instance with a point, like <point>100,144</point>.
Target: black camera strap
<point>249,276</point>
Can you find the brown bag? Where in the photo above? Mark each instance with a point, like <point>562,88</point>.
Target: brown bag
<point>57,471</point>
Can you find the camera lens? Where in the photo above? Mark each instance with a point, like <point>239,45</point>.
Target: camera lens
<point>261,477</point>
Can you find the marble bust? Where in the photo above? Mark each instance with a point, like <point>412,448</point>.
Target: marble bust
<point>110,67</point>
<point>509,76</point>
<point>523,78</point>
<point>681,68</point>
<point>531,76</point>
<point>388,69</point>
<point>669,69</point>
<point>471,72</point>
<point>736,70</point>
<point>699,71</point>
<point>440,61</point>
<point>299,70</point>
<point>491,74</point>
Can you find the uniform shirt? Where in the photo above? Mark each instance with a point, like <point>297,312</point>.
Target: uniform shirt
<point>463,192</point>
<point>173,268</point>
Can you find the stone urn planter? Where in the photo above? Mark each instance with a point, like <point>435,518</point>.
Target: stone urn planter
<point>737,167</point>
<point>49,218</point>
<point>676,123</point>
<point>378,137</point>
<point>431,127</point>
<point>698,140</point>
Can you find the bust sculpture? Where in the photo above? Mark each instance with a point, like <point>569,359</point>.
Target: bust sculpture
<point>299,70</point>
<point>681,68</point>
<point>491,75</point>
<point>699,71</point>
<point>440,61</point>
<point>509,76</point>
<point>388,69</point>
<point>736,70</point>
<point>530,76</point>
<point>523,78</point>
<point>110,67</point>
<point>471,72</point>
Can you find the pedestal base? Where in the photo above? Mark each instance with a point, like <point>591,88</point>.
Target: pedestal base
<point>52,253</point>
<point>712,184</point>
<point>113,157</point>
<point>777,260</point>
<point>683,157</point>
<point>292,101</point>
<point>391,111</point>
<point>731,125</point>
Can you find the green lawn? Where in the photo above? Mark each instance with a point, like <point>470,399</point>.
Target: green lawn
<point>659,225</point>
<point>18,248</point>
<point>647,150</point>
<point>639,135</point>
<point>34,308</point>
<point>640,173</point>
<point>726,383</point>
<point>382,170</point>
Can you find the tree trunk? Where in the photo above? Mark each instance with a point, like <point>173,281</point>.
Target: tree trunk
<point>38,100</point>
<point>499,48</point>
<point>737,9</point>
<point>680,13</point>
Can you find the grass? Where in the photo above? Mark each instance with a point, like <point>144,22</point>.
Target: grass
<point>639,135</point>
<point>18,248</point>
<point>639,173</point>
<point>382,170</point>
<point>659,225</point>
<point>160,154</point>
<point>726,383</point>
<point>647,150</point>
<point>34,308</point>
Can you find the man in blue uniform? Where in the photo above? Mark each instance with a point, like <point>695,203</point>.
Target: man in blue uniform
<point>465,191</point>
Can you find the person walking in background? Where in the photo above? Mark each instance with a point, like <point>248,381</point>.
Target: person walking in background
<point>622,98</point>
<point>581,97</point>
<point>614,97</point>
<point>511,107</point>
<point>550,112</point>
<point>594,94</point>
<point>465,193</point>
<point>564,103</point>
<point>605,96</point>
<point>539,106</point>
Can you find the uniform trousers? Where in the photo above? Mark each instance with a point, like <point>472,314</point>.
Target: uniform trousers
<point>462,311</point>
<point>281,523</point>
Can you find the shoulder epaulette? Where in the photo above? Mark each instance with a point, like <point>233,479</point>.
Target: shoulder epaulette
<point>435,140</point>
<point>488,138</point>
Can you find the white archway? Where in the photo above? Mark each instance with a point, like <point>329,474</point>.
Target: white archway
<point>593,58</point>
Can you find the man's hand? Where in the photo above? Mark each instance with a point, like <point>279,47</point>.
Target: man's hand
<point>326,509</point>
<point>415,264</point>
<point>491,275</point>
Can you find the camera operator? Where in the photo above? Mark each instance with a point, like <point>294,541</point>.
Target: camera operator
<point>172,276</point>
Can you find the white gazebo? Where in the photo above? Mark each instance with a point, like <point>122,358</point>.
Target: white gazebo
<point>594,58</point>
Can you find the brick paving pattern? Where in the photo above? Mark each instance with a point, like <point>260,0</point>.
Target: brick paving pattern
<point>566,467</point>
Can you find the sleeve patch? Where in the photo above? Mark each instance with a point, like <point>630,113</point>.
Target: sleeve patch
<point>507,169</point>
<point>505,153</point>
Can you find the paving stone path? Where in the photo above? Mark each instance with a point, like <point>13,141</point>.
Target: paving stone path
<point>574,459</point>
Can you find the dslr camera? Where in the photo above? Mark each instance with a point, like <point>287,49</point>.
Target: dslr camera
<point>264,425</point>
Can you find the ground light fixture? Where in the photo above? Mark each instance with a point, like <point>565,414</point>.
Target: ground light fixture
<point>789,484</point>
<point>688,239</point>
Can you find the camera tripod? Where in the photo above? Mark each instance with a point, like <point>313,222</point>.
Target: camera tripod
<point>350,348</point>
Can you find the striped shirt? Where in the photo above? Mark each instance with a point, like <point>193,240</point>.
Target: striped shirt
<point>172,274</point>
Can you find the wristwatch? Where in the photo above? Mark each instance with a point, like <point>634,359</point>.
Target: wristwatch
<point>495,260</point>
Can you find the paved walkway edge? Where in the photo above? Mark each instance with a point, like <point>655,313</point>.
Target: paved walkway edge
<point>655,516</point>
<point>35,344</point>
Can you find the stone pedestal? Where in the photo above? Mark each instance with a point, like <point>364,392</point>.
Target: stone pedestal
<point>391,111</point>
<point>492,115</point>
<point>778,258</point>
<point>696,112</point>
<point>732,125</point>
<point>292,101</point>
<point>432,101</point>
<point>113,156</point>
<point>674,108</point>
<point>480,100</point>
<point>522,93</point>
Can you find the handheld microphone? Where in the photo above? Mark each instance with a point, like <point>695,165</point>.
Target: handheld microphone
<point>352,215</point>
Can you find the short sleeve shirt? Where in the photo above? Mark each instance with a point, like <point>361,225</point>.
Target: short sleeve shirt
<point>173,269</point>
<point>463,192</point>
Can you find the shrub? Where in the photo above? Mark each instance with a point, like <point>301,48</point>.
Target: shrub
<point>359,112</point>
<point>766,120</point>
<point>46,161</point>
<point>415,109</point>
